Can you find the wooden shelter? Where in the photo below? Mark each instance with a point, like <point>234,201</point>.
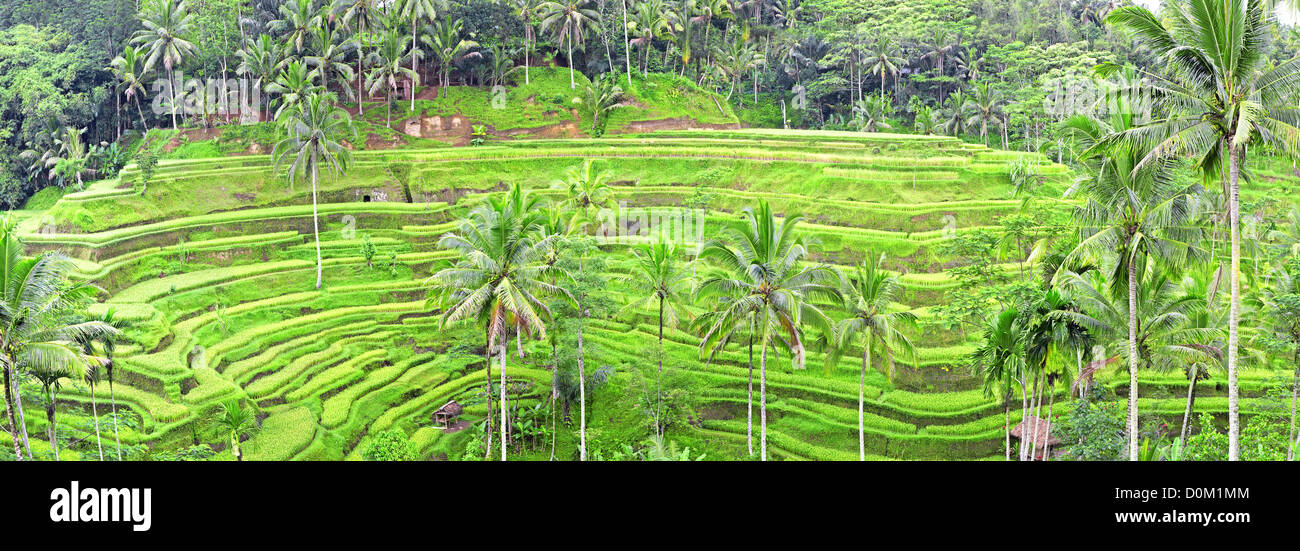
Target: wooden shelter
<point>448,412</point>
<point>1026,435</point>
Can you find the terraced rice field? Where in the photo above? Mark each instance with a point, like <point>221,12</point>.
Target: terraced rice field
<point>213,264</point>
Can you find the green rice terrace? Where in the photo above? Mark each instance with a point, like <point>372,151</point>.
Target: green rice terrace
<point>211,267</point>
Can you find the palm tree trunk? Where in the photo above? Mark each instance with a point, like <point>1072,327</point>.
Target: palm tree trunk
<point>582,396</point>
<point>1191,395</point>
<point>361,97</point>
<point>659,399</point>
<point>234,446</point>
<point>112,400</point>
<point>627,47</point>
<point>414,67</point>
<point>1024,417</point>
<point>1047,446</point>
<point>1132,362</point>
<point>94,412</point>
<point>1034,402</point>
<point>762,395</point>
<point>862,387</point>
<point>52,413</point>
<point>1006,411</point>
<point>173,102</point>
<point>22,421</point>
<point>749,401</point>
<point>1295,393</point>
<point>487,361</point>
<point>9,409</point>
<point>1234,312</point>
<point>315,218</point>
<point>572,85</point>
<point>504,424</point>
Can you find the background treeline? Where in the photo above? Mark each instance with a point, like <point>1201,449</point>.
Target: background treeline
<point>976,68</point>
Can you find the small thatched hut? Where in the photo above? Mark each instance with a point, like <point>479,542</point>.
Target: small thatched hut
<point>447,413</point>
<point>1026,435</point>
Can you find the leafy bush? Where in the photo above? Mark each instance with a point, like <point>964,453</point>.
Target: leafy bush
<point>390,445</point>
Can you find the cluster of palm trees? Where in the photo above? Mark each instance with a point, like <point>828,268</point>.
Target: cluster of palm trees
<point>1141,281</point>
<point>755,283</point>
<point>46,336</point>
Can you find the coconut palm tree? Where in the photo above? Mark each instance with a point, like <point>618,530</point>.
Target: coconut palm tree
<point>568,21</point>
<point>387,69</point>
<point>129,69</point>
<point>1133,213</point>
<point>885,59</point>
<point>417,11</point>
<point>329,57</point>
<point>649,23</point>
<point>869,294</point>
<point>235,421</point>
<point>165,23</point>
<point>107,342</point>
<point>1159,331</point>
<point>1218,96</point>
<point>500,273</point>
<point>262,59</point>
<point>955,112</point>
<point>985,106</point>
<point>527,11</point>
<point>1281,300</point>
<point>443,39</point>
<point>1049,334</point>
<point>312,129</point>
<point>357,15</point>
<point>1000,361</point>
<point>762,267</point>
<point>656,268</point>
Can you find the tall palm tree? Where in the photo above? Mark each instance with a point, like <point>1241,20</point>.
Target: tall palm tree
<point>329,57</point>
<point>165,23</point>
<point>568,21</point>
<point>527,11</point>
<point>985,106</point>
<point>1049,334</point>
<point>708,11</point>
<point>868,297</point>
<point>262,59</point>
<point>1134,212</point>
<point>499,275</point>
<point>313,128</point>
<point>956,110</point>
<point>1000,361</point>
<point>657,269</point>
<point>417,11</point>
<point>130,71</point>
<point>235,421</point>
<point>885,58</point>
<point>649,23</point>
<point>762,267</point>
<point>386,68</point>
<point>1218,96</point>
<point>358,16</point>
<point>443,38</point>
<point>1149,329</point>
<point>107,342</point>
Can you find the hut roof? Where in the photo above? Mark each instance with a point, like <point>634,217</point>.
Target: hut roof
<point>450,408</point>
<point>1044,431</point>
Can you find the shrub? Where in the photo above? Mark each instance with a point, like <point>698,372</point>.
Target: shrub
<point>390,445</point>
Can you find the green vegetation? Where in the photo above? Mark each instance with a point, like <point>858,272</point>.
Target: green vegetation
<point>895,231</point>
